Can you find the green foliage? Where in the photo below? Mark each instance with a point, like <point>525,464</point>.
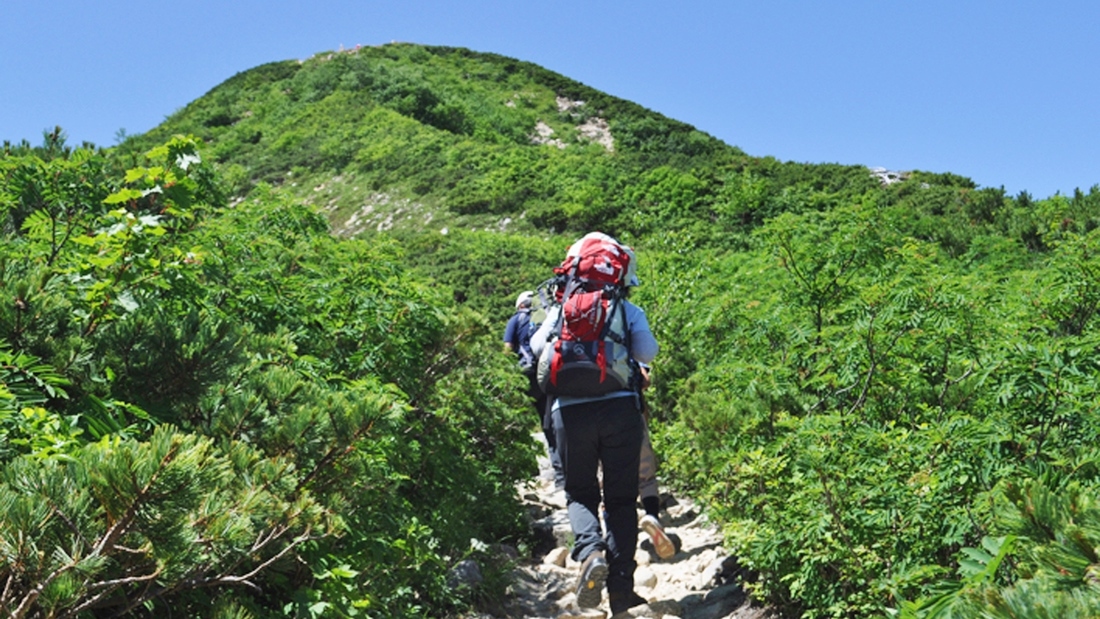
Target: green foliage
<point>1050,547</point>
<point>154,519</point>
<point>847,398</point>
<point>485,271</point>
<point>259,396</point>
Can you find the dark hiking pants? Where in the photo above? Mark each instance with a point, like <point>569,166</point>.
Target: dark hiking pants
<point>608,432</point>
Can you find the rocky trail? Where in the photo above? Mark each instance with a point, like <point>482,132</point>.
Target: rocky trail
<point>701,581</point>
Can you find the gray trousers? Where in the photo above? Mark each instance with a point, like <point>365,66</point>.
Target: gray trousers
<point>647,467</point>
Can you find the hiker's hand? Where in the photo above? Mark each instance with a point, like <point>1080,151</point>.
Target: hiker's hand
<point>644,371</point>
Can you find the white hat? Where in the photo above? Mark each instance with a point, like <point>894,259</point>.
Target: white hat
<point>524,299</point>
<point>631,268</point>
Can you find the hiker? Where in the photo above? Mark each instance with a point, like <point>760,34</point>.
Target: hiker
<point>517,333</point>
<point>598,428</point>
<point>647,482</point>
<point>517,339</point>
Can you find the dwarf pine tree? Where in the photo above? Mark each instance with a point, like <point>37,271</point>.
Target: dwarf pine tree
<point>119,523</point>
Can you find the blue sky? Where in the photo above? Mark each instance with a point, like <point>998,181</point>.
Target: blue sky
<point>1002,92</point>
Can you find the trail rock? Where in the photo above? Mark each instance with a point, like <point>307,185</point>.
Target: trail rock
<point>721,571</point>
<point>557,556</point>
<point>507,552</point>
<point>667,609</point>
<point>465,574</point>
<point>554,529</point>
<point>644,578</point>
<point>587,613</point>
<point>716,604</point>
<point>661,609</point>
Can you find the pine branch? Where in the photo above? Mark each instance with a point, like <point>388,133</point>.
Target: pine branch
<point>226,578</point>
<point>6,595</point>
<point>68,521</point>
<point>244,579</point>
<point>333,454</point>
<point>32,595</point>
<point>262,542</point>
<point>105,544</point>
<point>119,527</point>
<point>108,587</point>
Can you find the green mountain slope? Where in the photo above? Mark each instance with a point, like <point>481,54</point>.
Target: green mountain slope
<point>408,137</point>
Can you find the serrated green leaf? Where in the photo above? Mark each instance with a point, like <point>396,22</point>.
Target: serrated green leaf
<point>122,196</point>
<point>126,301</point>
<point>968,568</point>
<point>992,544</point>
<point>978,555</point>
<point>344,571</point>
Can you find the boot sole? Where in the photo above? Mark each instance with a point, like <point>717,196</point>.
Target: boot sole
<point>590,591</point>
<point>661,543</point>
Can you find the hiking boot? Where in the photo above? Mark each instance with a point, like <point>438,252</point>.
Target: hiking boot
<point>661,543</point>
<point>593,577</point>
<point>622,602</point>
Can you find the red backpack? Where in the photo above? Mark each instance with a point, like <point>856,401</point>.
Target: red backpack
<point>590,352</point>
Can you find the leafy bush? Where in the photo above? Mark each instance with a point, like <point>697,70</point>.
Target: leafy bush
<point>849,409</point>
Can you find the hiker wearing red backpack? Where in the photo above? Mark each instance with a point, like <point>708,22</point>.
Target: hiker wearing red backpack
<point>589,348</point>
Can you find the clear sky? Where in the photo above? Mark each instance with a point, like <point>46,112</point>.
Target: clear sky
<point>1004,92</point>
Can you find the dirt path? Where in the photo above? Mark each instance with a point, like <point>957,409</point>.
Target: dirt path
<point>699,582</point>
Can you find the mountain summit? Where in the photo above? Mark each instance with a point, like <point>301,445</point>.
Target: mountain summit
<point>415,134</point>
